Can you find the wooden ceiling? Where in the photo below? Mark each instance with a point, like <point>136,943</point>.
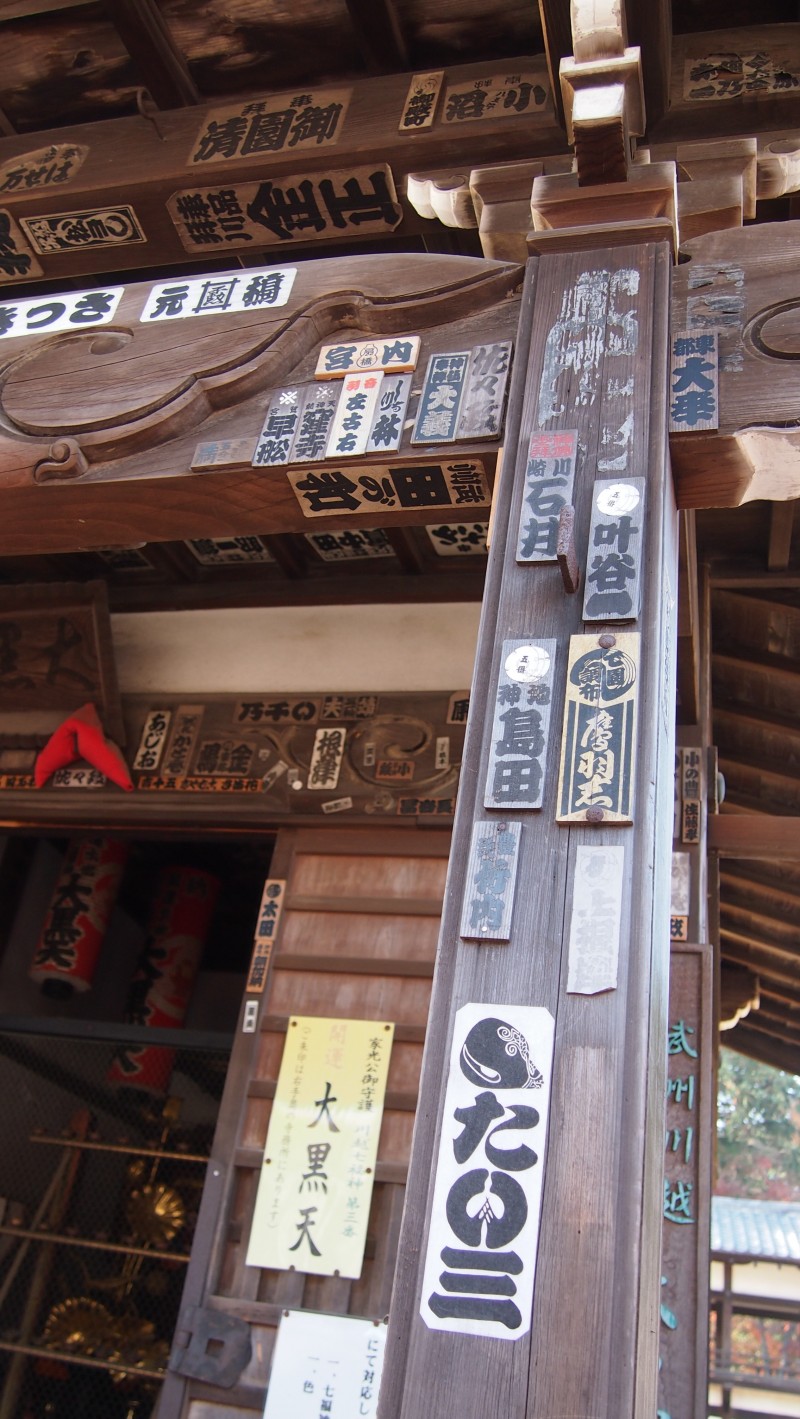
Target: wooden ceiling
<point>151,63</point>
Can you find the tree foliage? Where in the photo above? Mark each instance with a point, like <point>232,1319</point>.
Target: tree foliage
<point>758,1130</point>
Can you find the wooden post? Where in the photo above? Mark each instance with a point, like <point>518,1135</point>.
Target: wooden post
<point>591,358</point>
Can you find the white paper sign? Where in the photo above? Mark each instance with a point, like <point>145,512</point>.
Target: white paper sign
<point>223,293</point>
<point>325,1365</point>
<point>481,1257</point>
<point>596,918</point>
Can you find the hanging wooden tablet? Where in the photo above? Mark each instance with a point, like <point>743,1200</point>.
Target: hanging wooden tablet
<point>549,479</point>
<point>440,405</point>
<point>491,878</point>
<point>598,746</point>
<point>614,558</point>
<point>518,751</point>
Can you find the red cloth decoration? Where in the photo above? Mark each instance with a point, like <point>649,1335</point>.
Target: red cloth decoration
<point>81,737</point>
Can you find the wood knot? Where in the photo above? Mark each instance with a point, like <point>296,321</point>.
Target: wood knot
<point>66,459</point>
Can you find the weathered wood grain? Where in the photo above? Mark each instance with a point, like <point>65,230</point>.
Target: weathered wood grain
<point>609,1049</point>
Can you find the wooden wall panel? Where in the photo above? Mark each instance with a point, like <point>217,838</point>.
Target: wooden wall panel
<point>371,960</point>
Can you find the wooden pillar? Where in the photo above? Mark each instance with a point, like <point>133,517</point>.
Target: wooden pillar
<point>590,358</point>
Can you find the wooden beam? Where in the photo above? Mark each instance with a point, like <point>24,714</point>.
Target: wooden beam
<point>737,910</point>
<point>554,16</point>
<point>145,33</point>
<point>740,953</point>
<point>764,663</point>
<point>763,884</point>
<point>755,452</point>
<point>758,950</point>
<point>378,34</point>
<point>781,522</point>
<point>757,1045</point>
<point>130,161</point>
<point>650,26</point>
<point>758,719</point>
<point>733,576</point>
<point>755,836</point>
<point>195,391</point>
<point>752,762</point>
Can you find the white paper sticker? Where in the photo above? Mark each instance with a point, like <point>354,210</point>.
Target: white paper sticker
<point>481,1257</point>
<point>223,294</point>
<point>594,929</point>
<point>325,1365</point>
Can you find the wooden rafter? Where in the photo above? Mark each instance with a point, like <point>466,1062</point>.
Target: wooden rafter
<point>760,719</point>
<point>378,35</point>
<point>762,663</point>
<point>755,836</point>
<point>145,34</point>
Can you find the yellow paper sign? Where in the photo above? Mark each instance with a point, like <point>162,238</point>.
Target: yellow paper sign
<point>316,1180</point>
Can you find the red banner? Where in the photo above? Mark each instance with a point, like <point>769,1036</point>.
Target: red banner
<point>162,984</point>
<point>80,909</point>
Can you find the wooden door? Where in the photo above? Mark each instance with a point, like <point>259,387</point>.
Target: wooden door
<point>356,940</point>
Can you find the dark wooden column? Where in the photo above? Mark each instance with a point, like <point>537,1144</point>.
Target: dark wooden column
<point>591,352</point>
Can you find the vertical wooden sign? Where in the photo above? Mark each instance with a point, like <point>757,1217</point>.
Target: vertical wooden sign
<point>520,730</point>
<point>590,376</point>
<point>598,747</point>
<point>683,1328</point>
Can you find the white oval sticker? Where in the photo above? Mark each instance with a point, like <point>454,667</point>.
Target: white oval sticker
<point>618,497</point>
<point>527,663</point>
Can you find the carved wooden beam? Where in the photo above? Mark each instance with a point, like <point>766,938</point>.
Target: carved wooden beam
<point>746,285</point>
<point>180,401</point>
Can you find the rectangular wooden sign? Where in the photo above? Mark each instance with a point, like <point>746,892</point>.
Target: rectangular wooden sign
<point>228,551</point>
<point>331,491</point>
<point>480,1264</point>
<point>419,106</point>
<point>269,915</point>
<point>356,201</point>
<point>549,479</point>
<point>496,96</point>
<point>52,166</point>
<point>351,546</point>
<point>491,878</point>
<point>274,443</point>
<point>691,794</point>
<point>186,727</point>
<point>70,231</point>
<point>317,412</point>
<point>598,748</point>
<point>694,381</point>
<point>520,731</point>
<point>388,420</point>
<point>16,257</point>
<point>688,1152</point>
<point>485,391</point>
<point>219,294</point>
<point>395,355</point>
<point>352,422</point>
<point>614,559</point>
<point>323,1133</point>
<point>326,758</point>
<point>458,539</point>
<point>153,740</point>
<point>309,119</point>
<point>733,74</point>
<point>440,401</point>
<point>596,919</point>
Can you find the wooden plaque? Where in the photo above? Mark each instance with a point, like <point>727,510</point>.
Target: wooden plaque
<point>56,654</point>
<point>598,748</point>
<point>614,560</point>
<point>518,751</point>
